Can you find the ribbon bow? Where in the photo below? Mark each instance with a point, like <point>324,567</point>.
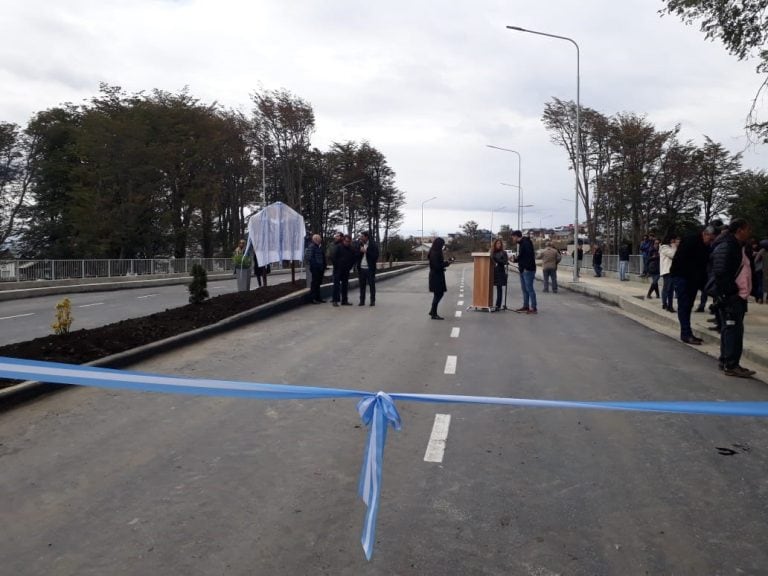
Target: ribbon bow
<point>376,412</point>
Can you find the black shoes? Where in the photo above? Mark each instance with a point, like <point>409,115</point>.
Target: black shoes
<point>346,303</point>
<point>693,340</point>
<point>436,317</point>
<point>335,304</point>
<point>738,372</point>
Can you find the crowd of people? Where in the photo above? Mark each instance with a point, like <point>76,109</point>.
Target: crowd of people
<point>344,255</point>
<point>720,262</point>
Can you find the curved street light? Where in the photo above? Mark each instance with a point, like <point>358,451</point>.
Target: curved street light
<point>519,177</point>
<point>344,203</point>
<point>578,129</point>
<point>422,224</point>
<point>492,211</point>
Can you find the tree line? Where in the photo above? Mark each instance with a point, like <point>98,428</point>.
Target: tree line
<point>634,178</point>
<point>164,174</point>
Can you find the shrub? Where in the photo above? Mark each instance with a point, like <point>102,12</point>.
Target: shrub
<point>198,288</point>
<point>241,261</point>
<point>64,317</point>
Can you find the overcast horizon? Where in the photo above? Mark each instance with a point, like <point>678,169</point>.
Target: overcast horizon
<point>429,87</point>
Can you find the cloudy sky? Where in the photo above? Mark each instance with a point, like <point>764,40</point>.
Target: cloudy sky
<point>428,83</point>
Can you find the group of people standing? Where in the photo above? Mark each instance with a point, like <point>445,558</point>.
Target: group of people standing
<point>526,262</point>
<point>723,263</point>
<point>344,255</point>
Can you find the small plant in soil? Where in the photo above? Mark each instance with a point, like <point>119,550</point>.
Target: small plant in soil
<point>64,317</point>
<point>198,288</point>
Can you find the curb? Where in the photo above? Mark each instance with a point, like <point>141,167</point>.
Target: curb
<point>31,389</point>
<point>635,310</point>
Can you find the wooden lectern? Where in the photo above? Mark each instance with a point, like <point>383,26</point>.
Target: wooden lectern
<point>482,285</point>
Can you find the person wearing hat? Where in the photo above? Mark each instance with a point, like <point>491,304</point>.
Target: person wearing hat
<point>526,264</point>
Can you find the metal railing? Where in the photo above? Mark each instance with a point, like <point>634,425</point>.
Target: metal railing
<point>610,262</point>
<point>32,270</point>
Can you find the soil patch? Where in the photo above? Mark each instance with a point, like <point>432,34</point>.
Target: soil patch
<point>81,346</point>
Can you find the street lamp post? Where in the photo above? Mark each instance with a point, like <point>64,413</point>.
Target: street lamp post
<point>263,176</point>
<point>492,211</point>
<point>578,133</point>
<point>519,178</point>
<point>422,224</point>
<point>344,203</point>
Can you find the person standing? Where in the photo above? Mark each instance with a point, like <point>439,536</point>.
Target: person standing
<point>335,258</point>
<point>526,263</point>
<point>597,260</point>
<point>624,251</point>
<point>259,271</point>
<point>654,270</point>
<point>500,261</point>
<point>733,283</point>
<point>689,271</point>
<point>579,258</point>
<point>368,256</point>
<point>757,272</point>
<point>317,266</point>
<point>645,250</point>
<point>347,261</point>
<point>550,258</point>
<point>437,266</point>
<point>666,253</point>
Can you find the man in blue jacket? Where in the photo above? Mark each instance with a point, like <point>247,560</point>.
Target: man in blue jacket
<point>526,264</point>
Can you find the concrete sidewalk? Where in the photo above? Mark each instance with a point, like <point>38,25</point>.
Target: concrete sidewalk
<point>630,297</point>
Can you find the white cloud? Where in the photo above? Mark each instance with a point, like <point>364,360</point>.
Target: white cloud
<point>428,83</point>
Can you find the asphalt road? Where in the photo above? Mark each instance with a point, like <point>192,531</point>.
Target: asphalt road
<point>29,318</point>
<point>101,482</point>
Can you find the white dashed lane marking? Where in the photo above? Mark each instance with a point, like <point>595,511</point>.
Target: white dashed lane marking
<point>438,438</point>
<point>460,303</point>
<point>17,316</point>
<point>455,332</point>
<point>458,313</point>
<point>89,305</point>
<point>450,365</point>
<point>146,296</point>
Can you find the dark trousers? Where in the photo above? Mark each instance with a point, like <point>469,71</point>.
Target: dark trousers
<point>345,287</point>
<point>367,278</point>
<point>336,285</point>
<point>685,299</point>
<point>499,291</point>
<point>668,293</point>
<point>654,286</point>
<point>317,279</point>
<point>731,315</point>
<point>437,296</point>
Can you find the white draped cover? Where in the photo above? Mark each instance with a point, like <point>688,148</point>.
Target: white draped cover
<point>276,233</point>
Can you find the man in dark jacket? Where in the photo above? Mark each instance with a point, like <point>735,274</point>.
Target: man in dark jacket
<point>689,274</point>
<point>347,260</point>
<point>369,255</point>
<point>732,276</point>
<point>526,264</point>
<point>625,250</point>
<point>317,266</point>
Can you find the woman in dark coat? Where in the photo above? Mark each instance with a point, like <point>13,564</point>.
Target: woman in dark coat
<point>500,261</point>
<point>437,266</point>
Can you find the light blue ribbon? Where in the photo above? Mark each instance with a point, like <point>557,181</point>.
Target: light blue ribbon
<point>377,411</point>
